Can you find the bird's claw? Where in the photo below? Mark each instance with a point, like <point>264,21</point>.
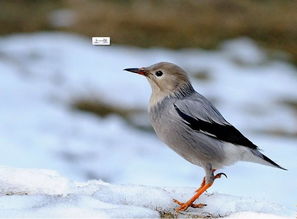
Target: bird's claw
<point>177,202</point>
<point>200,205</point>
<point>185,206</point>
<point>219,175</point>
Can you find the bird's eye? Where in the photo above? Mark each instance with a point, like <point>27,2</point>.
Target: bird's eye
<point>159,73</point>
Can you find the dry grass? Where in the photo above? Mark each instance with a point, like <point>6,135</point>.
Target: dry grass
<point>190,23</point>
<point>103,109</point>
<point>167,23</point>
<point>173,214</point>
<point>25,15</point>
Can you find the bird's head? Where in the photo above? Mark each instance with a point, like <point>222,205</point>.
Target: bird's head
<point>164,77</point>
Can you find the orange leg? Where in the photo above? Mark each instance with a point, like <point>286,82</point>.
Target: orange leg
<point>203,181</point>
<point>202,184</point>
<point>199,192</point>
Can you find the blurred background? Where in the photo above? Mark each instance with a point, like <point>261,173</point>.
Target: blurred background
<point>68,105</point>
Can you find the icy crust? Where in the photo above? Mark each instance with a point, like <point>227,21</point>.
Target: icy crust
<point>44,193</point>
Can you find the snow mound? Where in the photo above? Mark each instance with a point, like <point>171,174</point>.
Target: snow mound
<point>40,193</point>
<point>32,181</point>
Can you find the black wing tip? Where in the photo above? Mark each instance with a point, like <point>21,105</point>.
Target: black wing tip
<point>222,132</point>
<point>273,163</point>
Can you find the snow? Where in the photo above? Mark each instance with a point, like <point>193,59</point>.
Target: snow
<point>43,73</point>
<point>34,181</point>
<point>103,200</point>
<point>247,215</point>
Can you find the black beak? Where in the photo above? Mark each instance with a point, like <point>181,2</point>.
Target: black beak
<point>140,71</point>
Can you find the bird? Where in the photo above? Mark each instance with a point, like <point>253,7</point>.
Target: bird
<point>189,124</point>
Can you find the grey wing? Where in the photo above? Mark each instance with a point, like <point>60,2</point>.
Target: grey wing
<point>200,115</point>
<point>198,106</point>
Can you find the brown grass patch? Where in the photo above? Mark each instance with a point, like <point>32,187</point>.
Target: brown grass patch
<point>168,23</point>
<point>103,109</point>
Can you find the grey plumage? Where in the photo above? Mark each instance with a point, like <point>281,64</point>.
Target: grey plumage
<point>189,124</point>
<point>197,146</point>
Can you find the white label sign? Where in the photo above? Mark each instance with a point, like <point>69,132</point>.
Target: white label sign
<point>101,41</point>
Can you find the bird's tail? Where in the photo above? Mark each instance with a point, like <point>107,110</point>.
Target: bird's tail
<point>266,160</point>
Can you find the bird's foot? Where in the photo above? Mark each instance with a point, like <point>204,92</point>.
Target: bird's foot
<point>185,206</point>
<point>204,186</point>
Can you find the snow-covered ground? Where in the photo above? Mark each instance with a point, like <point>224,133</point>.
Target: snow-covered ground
<point>42,74</point>
<point>54,196</point>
